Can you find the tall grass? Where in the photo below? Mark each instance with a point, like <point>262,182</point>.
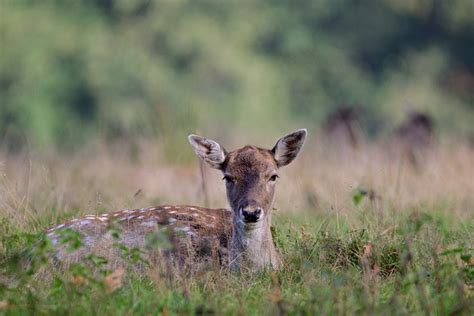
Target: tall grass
<point>360,231</point>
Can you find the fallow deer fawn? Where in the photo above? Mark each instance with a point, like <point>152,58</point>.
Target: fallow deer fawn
<point>240,238</point>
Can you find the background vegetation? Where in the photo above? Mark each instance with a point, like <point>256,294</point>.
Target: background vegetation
<point>96,100</point>
<point>72,71</point>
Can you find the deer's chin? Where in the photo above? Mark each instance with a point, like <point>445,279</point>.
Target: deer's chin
<point>250,226</point>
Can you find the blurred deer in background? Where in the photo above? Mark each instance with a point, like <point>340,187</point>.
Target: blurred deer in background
<point>415,136</point>
<point>239,237</point>
<point>342,127</point>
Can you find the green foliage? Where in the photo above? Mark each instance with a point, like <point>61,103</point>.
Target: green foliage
<point>71,238</point>
<point>75,70</point>
<point>358,196</point>
<point>334,272</point>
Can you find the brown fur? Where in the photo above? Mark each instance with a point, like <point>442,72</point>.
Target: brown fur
<point>201,228</point>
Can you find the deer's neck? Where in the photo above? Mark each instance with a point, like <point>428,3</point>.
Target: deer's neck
<point>252,246</point>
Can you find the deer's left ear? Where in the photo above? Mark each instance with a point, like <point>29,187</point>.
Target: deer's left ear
<point>288,147</point>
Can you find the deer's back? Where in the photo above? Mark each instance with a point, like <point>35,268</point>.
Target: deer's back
<point>188,233</point>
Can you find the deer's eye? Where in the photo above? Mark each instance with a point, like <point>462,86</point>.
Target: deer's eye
<point>273,178</point>
<point>228,179</point>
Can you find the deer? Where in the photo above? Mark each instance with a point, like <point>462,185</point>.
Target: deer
<point>238,237</point>
<point>414,137</point>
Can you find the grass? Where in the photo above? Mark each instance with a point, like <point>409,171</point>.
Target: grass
<point>366,235</point>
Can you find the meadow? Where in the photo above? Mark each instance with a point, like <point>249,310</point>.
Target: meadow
<point>360,231</point>
<point>97,98</point>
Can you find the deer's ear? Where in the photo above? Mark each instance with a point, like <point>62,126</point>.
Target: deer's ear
<point>288,147</point>
<point>208,150</point>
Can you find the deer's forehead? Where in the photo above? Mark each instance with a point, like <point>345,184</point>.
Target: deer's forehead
<point>250,159</point>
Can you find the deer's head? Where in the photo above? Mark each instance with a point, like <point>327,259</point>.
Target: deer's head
<point>250,173</point>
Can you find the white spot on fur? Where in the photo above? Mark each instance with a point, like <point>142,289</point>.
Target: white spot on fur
<point>172,220</point>
<point>182,229</point>
<point>59,226</point>
<point>172,212</point>
<point>148,224</point>
<point>85,222</point>
<point>88,240</point>
<point>54,238</point>
<point>141,217</point>
<point>166,207</point>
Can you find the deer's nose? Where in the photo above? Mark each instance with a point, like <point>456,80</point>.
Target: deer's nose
<point>251,216</point>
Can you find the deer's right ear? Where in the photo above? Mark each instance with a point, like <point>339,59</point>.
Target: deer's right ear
<point>208,150</point>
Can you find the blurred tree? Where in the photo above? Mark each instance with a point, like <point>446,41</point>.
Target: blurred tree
<point>74,70</point>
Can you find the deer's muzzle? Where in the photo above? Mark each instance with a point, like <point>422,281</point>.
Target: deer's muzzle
<point>251,214</point>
